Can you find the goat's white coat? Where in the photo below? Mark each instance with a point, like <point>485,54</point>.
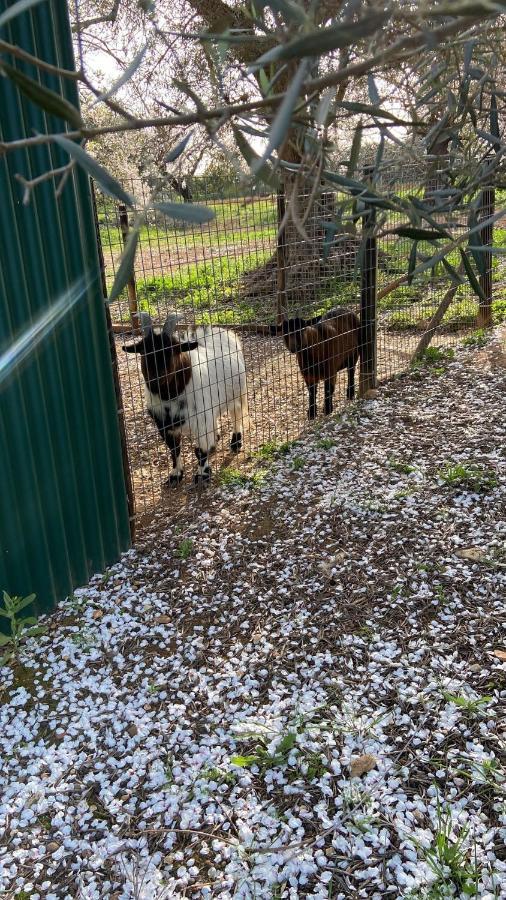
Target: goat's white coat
<point>217,386</point>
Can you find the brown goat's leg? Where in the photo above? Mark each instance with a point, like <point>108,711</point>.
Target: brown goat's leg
<point>330,385</point>
<point>350,391</point>
<point>312,401</point>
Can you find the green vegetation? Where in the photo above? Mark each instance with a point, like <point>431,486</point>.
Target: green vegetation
<point>451,860</point>
<point>261,757</point>
<point>477,339</point>
<point>271,449</point>
<point>241,239</point>
<point>433,360</point>
<point>231,477</point>
<point>401,467</point>
<point>468,476</point>
<point>325,443</point>
<point>473,707</point>
<point>236,220</point>
<point>185,548</point>
<point>21,627</point>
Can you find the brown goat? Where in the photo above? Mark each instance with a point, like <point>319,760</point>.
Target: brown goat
<point>324,346</point>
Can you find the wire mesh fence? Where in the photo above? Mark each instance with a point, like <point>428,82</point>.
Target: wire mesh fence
<point>238,274</point>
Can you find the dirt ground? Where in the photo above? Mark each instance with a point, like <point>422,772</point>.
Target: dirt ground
<point>277,400</point>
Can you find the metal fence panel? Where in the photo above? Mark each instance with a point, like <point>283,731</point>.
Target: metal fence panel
<point>233,272</point>
<point>63,503</point>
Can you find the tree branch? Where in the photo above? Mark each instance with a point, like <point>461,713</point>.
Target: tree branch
<point>18,53</point>
<point>389,56</point>
<point>109,17</point>
<point>30,183</point>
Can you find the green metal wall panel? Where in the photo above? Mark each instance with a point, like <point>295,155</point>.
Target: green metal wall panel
<point>63,505</point>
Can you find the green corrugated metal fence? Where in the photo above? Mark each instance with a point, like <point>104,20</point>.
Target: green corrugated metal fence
<point>63,504</point>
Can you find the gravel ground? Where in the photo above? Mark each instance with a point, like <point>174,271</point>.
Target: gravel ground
<point>293,689</point>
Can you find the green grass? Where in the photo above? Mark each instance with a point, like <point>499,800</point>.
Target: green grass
<point>236,221</point>
<point>402,468</point>
<point>477,339</point>
<point>185,548</point>
<point>432,356</point>
<point>473,707</point>
<point>450,859</point>
<point>231,477</point>
<point>242,238</point>
<point>272,449</point>
<point>468,476</point>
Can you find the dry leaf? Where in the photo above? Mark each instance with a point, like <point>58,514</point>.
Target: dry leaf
<point>359,765</point>
<point>501,654</point>
<point>476,554</point>
<point>163,620</point>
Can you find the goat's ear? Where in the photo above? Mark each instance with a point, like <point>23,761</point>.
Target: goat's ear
<point>186,346</point>
<point>133,348</point>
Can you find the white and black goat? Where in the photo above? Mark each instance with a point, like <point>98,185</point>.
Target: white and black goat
<point>190,382</point>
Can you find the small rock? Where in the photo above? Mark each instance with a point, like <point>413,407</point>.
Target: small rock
<point>501,654</point>
<point>52,847</point>
<point>132,730</point>
<point>97,614</point>
<point>360,765</point>
<point>163,620</point>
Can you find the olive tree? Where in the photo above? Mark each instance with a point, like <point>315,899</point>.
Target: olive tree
<point>281,78</point>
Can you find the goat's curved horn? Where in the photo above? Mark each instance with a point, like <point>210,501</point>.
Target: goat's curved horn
<point>170,324</point>
<point>146,323</point>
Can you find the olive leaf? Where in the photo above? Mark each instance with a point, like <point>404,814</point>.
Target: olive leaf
<point>188,212</point>
<point>126,265</point>
<point>48,100</point>
<point>283,117</point>
<point>178,149</point>
<point>109,185</point>
<point>265,172</point>
<point>325,39</point>
<point>473,281</point>
<point>125,77</point>
<point>16,9</point>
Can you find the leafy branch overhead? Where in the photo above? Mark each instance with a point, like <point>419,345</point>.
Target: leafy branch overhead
<point>277,85</point>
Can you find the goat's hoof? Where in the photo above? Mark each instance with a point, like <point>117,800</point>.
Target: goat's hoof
<point>203,477</point>
<point>236,442</point>
<point>174,479</point>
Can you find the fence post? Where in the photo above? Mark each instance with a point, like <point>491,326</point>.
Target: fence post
<point>368,323</point>
<point>484,318</point>
<point>132,290</point>
<point>115,374</point>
